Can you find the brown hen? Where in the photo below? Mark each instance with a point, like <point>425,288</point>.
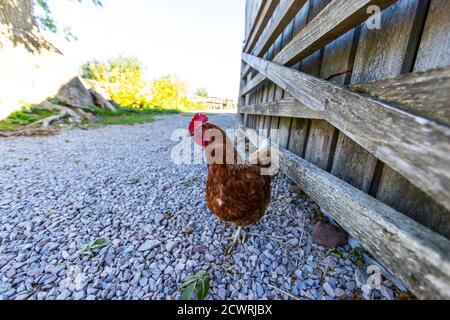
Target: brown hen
<point>236,191</point>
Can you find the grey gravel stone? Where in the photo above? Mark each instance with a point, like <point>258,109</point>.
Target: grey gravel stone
<point>158,231</point>
<point>351,285</point>
<point>329,290</point>
<point>149,245</point>
<point>339,292</point>
<point>387,293</point>
<point>361,277</point>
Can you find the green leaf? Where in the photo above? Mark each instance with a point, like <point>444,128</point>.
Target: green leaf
<point>188,291</point>
<point>187,281</point>
<point>198,283</point>
<point>94,245</point>
<point>203,289</point>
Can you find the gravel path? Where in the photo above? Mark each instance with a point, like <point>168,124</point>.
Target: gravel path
<point>118,184</point>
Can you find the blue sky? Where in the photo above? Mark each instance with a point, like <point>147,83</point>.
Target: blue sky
<point>198,40</point>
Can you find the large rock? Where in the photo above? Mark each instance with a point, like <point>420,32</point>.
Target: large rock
<point>328,235</point>
<point>75,93</point>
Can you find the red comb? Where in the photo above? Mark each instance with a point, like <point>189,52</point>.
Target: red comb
<point>198,117</point>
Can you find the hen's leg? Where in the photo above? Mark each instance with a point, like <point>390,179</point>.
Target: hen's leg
<point>235,239</point>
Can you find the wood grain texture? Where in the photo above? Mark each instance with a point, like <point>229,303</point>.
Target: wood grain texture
<point>353,164</point>
<point>423,93</point>
<point>285,108</point>
<point>419,257</point>
<point>334,20</point>
<point>397,192</point>
<point>319,143</point>
<point>336,57</point>
<point>416,147</point>
<point>280,21</point>
<point>299,133</point>
<point>284,131</point>
<point>402,24</point>
<point>252,10</point>
<point>385,48</point>
<point>434,51</point>
<point>261,22</point>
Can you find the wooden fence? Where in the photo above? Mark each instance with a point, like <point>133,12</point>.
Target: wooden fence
<point>371,146</point>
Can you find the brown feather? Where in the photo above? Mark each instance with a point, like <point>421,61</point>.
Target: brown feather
<point>236,193</point>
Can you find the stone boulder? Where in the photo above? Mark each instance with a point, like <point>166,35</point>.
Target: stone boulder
<point>328,235</point>
<point>75,93</point>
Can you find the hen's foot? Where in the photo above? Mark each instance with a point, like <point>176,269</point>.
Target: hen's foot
<point>239,236</point>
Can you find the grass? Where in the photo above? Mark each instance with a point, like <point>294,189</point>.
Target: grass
<point>123,116</point>
<point>25,116</point>
<point>128,116</point>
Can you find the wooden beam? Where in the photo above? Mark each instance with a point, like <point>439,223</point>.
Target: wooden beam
<point>419,257</point>
<point>254,18</point>
<point>261,22</point>
<point>284,16</point>
<point>418,148</point>
<point>334,20</point>
<point>283,108</point>
<point>423,93</point>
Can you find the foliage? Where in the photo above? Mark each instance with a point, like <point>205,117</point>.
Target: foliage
<point>202,92</point>
<point>25,116</point>
<point>121,78</point>
<point>169,93</point>
<point>123,81</point>
<point>358,255</point>
<point>98,244</point>
<point>198,283</point>
<point>46,21</point>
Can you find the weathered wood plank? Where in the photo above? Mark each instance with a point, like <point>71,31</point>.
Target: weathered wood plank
<point>419,257</point>
<point>284,131</point>
<point>274,126</point>
<point>261,22</point>
<point>285,108</point>
<point>279,23</point>
<point>337,57</point>
<point>423,93</point>
<point>402,23</point>
<point>319,143</point>
<point>353,164</point>
<point>388,56</point>
<point>251,17</point>
<point>397,192</point>
<point>434,51</point>
<point>299,133</point>
<point>319,147</point>
<point>416,147</point>
<point>334,20</point>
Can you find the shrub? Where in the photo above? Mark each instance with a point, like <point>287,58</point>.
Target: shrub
<point>202,92</point>
<point>121,78</point>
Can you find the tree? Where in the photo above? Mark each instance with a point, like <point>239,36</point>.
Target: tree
<point>202,92</point>
<point>168,92</point>
<point>121,78</point>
